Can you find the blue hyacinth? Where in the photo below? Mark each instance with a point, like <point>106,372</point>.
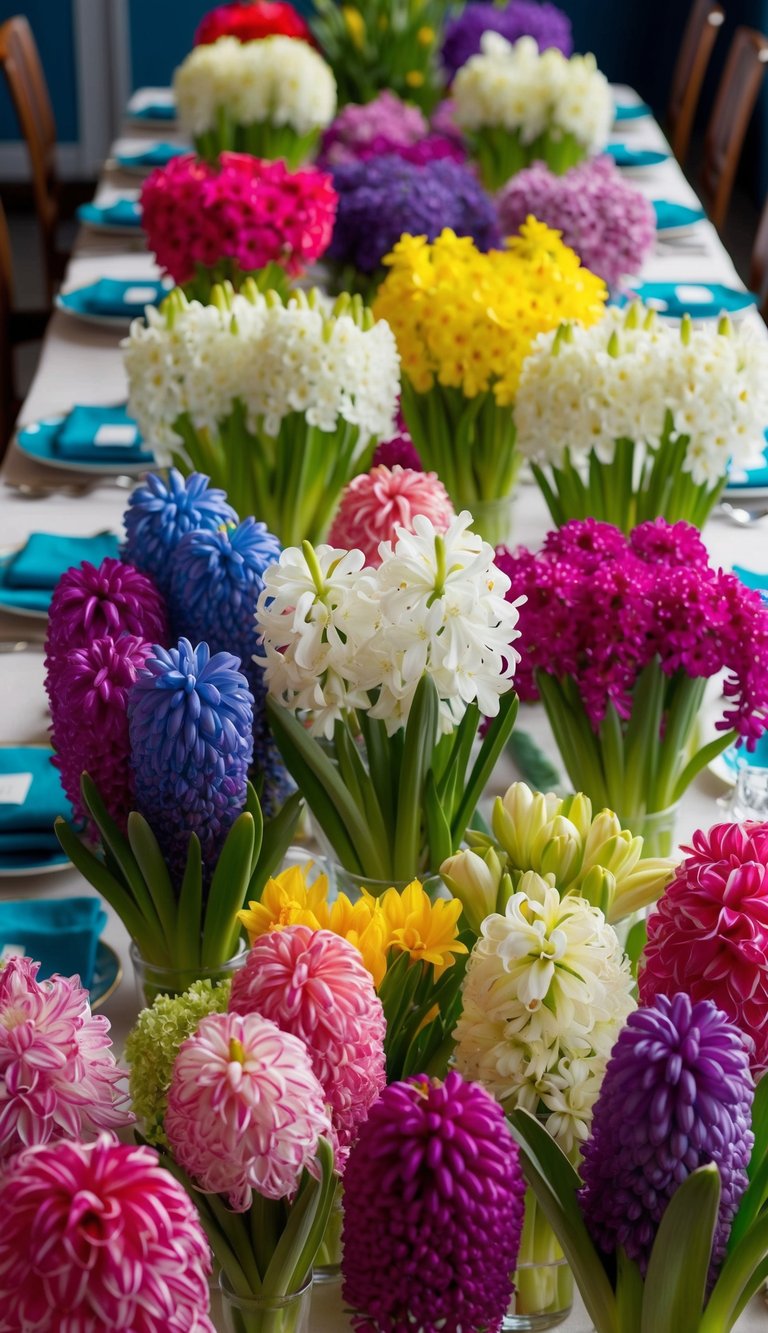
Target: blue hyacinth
<point>160,513</point>
<point>190,719</point>
<point>216,581</point>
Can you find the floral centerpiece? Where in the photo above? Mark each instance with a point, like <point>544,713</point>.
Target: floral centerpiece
<point>545,23</point>
<point>610,225</point>
<point>271,98</point>
<point>382,44</point>
<point>236,217</point>
<point>386,197</point>
<point>385,125</point>
<point>464,323</point>
<point>281,404</point>
<point>251,21</point>
<point>635,419</point>
<point>378,679</point>
<point>641,623</point>
<point>516,105</point>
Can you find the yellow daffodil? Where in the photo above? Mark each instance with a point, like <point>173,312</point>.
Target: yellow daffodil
<point>364,925</point>
<point>355,24</point>
<point>427,931</point>
<point>287,900</point>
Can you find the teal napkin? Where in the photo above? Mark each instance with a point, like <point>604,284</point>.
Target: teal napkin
<point>155,111</point>
<point>700,300</point>
<point>632,111</point>
<point>121,213</point>
<point>104,433</point>
<point>59,933</point>
<point>624,156</point>
<point>756,476</point>
<point>759,582</point>
<point>30,794</point>
<point>156,155</point>
<point>45,556</point>
<point>670,214</point>
<point>115,296</point>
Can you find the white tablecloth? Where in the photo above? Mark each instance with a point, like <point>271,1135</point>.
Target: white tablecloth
<point>82,364</point>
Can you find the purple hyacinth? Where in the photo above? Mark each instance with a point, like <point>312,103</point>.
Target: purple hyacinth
<point>677,1094</point>
<point>89,721</point>
<point>216,581</point>
<point>159,513</point>
<point>382,199</point>
<point>433,1210</point>
<point>190,719</point>
<point>385,125</point>
<point>400,451</point>
<point>547,24</point>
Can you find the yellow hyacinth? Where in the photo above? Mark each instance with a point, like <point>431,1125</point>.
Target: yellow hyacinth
<point>355,25</point>
<point>426,930</point>
<point>467,319</point>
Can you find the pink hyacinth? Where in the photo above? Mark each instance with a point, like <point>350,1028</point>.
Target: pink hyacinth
<point>708,935</point>
<point>58,1076</point>
<point>245,1112</point>
<point>314,985</point>
<point>241,211</point>
<point>376,502</point>
<point>99,1236</point>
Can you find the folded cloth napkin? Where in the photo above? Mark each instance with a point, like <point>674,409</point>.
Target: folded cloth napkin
<point>671,214</point>
<point>155,111</point>
<point>113,296</point>
<point>755,476</point>
<point>104,433</point>
<point>60,933</point>
<point>625,156</point>
<point>31,798</point>
<point>120,213</point>
<point>759,582</point>
<point>45,556</point>
<point>156,155</point>
<point>631,111</point>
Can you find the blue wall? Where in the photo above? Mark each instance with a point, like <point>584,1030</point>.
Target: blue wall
<point>161,34</point>
<point>51,22</point>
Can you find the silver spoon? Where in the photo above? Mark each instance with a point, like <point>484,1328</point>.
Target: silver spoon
<point>743,517</point>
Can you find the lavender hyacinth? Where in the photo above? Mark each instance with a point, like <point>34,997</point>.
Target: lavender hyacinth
<point>384,198</point>
<point>190,719</point>
<point>677,1094</point>
<point>159,513</point>
<point>547,24</point>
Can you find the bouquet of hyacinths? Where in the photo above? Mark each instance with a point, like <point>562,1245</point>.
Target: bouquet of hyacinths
<point>464,323</point>
<point>378,680</point>
<point>591,856</point>
<point>382,44</point>
<point>546,992</point>
<point>385,125</point>
<point>634,419</point>
<point>270,98</point>
<point>410,945</point>
<point>517,105</point>
<point>666,1227</point>
<point>641,623</point>
<point>545,23</point>
<point>238,217</point>
<point>281,404</point>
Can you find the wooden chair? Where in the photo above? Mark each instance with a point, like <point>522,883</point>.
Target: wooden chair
<point>704,23</point>
<point>758,275</point>
<point>736,96</point>
<point>16,326</point>
<point>24,74</point>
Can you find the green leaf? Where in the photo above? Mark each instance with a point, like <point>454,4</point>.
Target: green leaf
<point>190,909</point>
<point>226,895</point>
<point>359,782</point>
<point>735,1278</point>
<point>531,762</point>
<point>438,829</point>
<point>699,761</point>
<point>636,941</point>
<point>612,741</point>
<point>253,808</point>
<point>676,1281</point>
<point>276,838</point>
<point>493,743</point>
<point>151,863</point>
<point>115,842</point>
<point>105,883</point>
<point>629,1293</point>
<point>756,1193</point>
<point>420,740</point>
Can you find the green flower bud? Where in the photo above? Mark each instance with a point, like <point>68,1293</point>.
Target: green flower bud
<point>475,882</point>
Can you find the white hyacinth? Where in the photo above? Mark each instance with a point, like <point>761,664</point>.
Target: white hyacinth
<point>253,353</point>
<point>338,636</point>
<point>546,993</point>
<point>584,389</point>
<point>518,88</point>
<point>278,79</point>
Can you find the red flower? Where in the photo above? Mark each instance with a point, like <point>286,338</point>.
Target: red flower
<point>250,22</point>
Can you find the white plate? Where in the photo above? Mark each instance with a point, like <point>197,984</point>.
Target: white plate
<point>114,229</point>
<point>47,868</point>
<point>119,322</point>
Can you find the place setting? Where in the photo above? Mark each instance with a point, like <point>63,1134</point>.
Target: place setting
<point>111,303</point>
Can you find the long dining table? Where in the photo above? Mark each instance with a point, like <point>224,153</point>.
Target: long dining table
<point>82,364</point>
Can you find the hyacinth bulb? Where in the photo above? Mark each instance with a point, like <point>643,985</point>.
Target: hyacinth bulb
<point>159,514</point>
<point>677,1094</point>
<point>433,1210</point>
<point>190,721</point>
<point>89,722</point>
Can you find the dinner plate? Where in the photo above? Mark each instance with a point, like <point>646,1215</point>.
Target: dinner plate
<point>700,300</point>
<point>107,974</point>
<point>635,159</point>
<point>92,217</point>
<point>22,865</point>
<point>136,164</point>
<point>673,219</point>
<point>37,442</point>
<point>74,304</point>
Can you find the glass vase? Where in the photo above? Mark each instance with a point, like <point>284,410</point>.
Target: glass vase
<point>493,519</point>
<point>327,1265</point>
<point>153,979</point>
<point>265,1314</point>
<point>657,828</point>
<point>341,880</point>
<point>543,1293</point>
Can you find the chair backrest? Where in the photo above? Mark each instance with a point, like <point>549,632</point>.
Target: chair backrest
<point>20,60</point>
<point>7,406</point>
<point>758,277</point>
<point>735,101</point>
<point>704,23</point>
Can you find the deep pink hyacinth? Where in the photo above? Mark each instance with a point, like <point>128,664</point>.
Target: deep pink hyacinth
<point>89,721</point>
<point>105,602</point>
<point>99,1236</point>
<point>245,1111</point>
<point>58,1076</point>
<point>376,502</point>
<point>433,1210</point>
<point>314,985</point>
<point>708,934</point>
<point>385,125</point>
<point>240,209</point>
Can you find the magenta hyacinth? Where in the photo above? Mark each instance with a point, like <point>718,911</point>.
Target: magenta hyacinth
<point>96,603</point>
<point>314,985</point>
<point>58,1076</point>
<point>377,502</point>
<point>433,1210</point>
<point>89,721</point>
<point>245,1112</point>
<point>676,1095</point>
<point>99,1236</point>
<point>400,451</point>
<point>708,934</point>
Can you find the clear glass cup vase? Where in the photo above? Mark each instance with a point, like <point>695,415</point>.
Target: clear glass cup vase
<point>153,979</point>
<point>265,1314</point>
<point>543,1294</point>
